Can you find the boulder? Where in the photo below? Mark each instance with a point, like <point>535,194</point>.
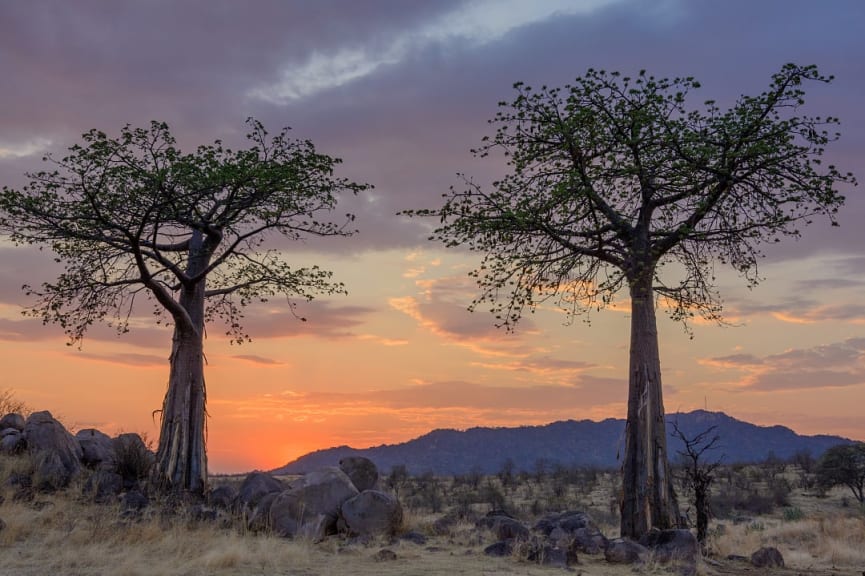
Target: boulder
<point>223,496</point>
<point>362,472</point>
<point>672,545</point>
<point>372,513</point>
<point>104,485</point>
<point>12,420</point>
<point>503,526</point>
<point>259,518</point>
<point>57,455</point>
<point>311,504</point>
<point>625,551</point>
<point>573,527</point>
<point>133,459</point>
<point>255,487</point>
<point>552,555</point>
<point>767,557</point>
<point>500,549</point>
<point>289,517</point>
<point>97,448</point>
<point>12,441</point>
<point>677,546</point>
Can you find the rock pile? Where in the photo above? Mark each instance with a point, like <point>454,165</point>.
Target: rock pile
<point>58,457</point>
<point>323,502</point>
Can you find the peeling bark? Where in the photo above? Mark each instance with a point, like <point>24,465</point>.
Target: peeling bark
<point>648,499</point>
<point>181,459</point>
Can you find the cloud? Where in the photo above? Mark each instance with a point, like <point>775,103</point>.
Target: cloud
<point>23,149</point>
<point>322,320</point>
<point>441,306</point>
<point>126,359</point>
<point>260,360</point>
<point>835,365</point>
<point>439,404</point>
<point>476,23</point>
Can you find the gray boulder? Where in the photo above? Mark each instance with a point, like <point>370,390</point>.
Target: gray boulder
<point>289,517</point>
<point>12,420</point>
<point>503,526</point>
<point>57,455</point>
<point>573,529</point>
<point>362,471</point>
<point>318,496</point>
<point>223,496</point>
<point>255,487</point>
<point>104,485</point>
<point>625,551</point>
<point>672,545</point>
<point>767,557</point>
<point>132,458</point>
<point>259,518</point>
<point>97,448</point>
<point>372,513</point>
<point>12,441</point>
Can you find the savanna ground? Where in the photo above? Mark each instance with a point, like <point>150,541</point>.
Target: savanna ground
<point>771,504</point>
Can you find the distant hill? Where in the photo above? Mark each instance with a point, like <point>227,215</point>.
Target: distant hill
<point>571,443</point>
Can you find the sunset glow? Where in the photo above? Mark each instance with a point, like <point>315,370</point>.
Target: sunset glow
<point>401,92</point>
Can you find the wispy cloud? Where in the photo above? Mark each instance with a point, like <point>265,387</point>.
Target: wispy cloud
<point>478,23</point>
<point>23,149</point>
<point>260,360</point>
<point>835,365</point>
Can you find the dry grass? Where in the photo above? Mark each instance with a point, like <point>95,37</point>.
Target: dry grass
<point>65,534</point>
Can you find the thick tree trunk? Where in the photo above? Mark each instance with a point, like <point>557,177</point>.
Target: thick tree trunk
<point>181,459</point>
<point>648,498</point>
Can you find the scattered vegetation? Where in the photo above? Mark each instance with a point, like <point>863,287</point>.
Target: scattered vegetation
<point>814,530</point>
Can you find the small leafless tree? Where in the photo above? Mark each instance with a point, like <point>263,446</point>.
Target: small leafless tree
<point>698,474</point>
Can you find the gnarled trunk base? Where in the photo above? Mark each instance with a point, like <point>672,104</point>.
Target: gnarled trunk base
<point>181,460</point>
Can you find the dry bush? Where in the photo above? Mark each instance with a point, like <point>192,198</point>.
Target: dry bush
<point>9,404</point>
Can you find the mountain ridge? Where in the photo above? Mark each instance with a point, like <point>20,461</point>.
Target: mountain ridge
<point>580,443</point>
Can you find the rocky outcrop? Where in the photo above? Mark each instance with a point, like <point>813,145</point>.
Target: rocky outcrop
<point>255,487</point>
<point>624,551</point>
<point>573,528</point>
<point>313,501</point>
<point>56,453</point>
<point>767,557</point>
<point>97,448</point>
<point>362,472</point>
<point>13,421</point>
<point>503,526</point>
<point>372,513</point>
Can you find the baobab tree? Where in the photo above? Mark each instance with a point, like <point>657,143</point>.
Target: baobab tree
<point>614,180</point>
<point>134,218</point>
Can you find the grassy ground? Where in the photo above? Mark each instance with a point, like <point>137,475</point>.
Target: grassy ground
<point>65,534</point>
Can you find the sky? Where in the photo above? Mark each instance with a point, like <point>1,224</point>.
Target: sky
<point>401,91</point>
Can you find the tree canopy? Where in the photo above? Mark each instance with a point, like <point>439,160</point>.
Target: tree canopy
<point>122,215</point>
<point>612,177</point>
<point>844,465</point>
<point>133,216</point>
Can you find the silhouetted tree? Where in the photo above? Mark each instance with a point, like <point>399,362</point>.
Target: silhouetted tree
<point>613,179</point>
<point>134,217</point>
<point>844,464</point>
<point>698,473</point>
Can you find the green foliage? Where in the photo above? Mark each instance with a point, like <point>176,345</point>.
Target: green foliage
<point>793,514</point>
<point>133,216</point>
<point>844,465</point>
<point>614,178</point>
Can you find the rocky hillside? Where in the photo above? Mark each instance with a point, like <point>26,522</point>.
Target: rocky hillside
<point>571,443</point>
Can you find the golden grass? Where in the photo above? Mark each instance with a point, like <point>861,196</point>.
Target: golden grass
<point>65,534</point>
